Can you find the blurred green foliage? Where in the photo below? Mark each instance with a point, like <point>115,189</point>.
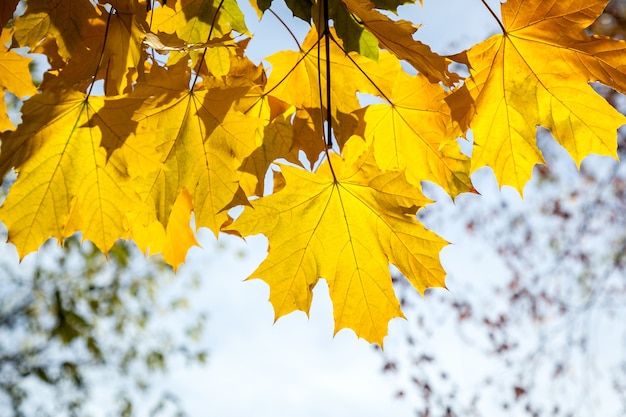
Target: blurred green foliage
<point>79,331</point>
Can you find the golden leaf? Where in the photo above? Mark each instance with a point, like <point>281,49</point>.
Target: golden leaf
<point>202,141</point>
<point>62,19</point>
<point>14,77</point>
<point>345,229</point>
<point>65,182</point>
<point>415,133</point>
<point>537,74</point>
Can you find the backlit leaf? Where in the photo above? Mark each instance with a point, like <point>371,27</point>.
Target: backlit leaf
<point>65,182</point>
<point>202,143</point>
<point>346,230</point>
<point>14,77</point>
<point>62,19</point>
<point>415,133</point>
<point>538,74</point>
<point>397,37</point>
<point>194,20</point>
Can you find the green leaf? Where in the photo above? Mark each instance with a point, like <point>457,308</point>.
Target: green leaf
<point>354,36</point>
<point>300,8</point>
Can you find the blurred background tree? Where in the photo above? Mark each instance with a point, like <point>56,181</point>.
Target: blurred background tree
<point>541,333</point>
<point>84,335</point>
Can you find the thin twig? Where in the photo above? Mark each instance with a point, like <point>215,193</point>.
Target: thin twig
<point>104,43</point>
<point>204,51</point>
<point>495,16</point>
<point>286,27</point>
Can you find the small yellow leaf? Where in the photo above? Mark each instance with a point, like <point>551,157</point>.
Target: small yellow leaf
<point>415,133</point>
<point>14,77</point>
<point>397,37</point>
<point>194,20</point>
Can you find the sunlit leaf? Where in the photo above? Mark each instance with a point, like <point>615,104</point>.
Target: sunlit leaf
<point>345,229</point>
<point>538,74</point>
<point>415,133</point>
<point>14,77</point>
<point>65,182</point>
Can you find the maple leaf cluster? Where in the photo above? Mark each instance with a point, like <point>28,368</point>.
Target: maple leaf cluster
<point>151,112</point>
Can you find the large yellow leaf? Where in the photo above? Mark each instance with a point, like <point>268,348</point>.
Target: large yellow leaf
<point>65,182</point>
<point>538,73</point>
<point>415,133</point>
<point>14,77</point>
<point>345,229</point>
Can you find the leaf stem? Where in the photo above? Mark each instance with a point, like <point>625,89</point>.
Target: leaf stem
<point>286,27</point>
<point>495,16</point>
<point>362,71</point>
<point>325,34</point>
<point>104,44</point>
<point>329,119</point>
<point>204,51</point>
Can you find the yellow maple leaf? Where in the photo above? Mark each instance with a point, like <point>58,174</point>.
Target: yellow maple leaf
<point>110,49</point>
<point>537,74</point>
<point>415,133</point>
<point>65,182</point>
<point>121,47</point>
<point>14,77</point>
<point>344,223</point>
<point>296,75</point>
